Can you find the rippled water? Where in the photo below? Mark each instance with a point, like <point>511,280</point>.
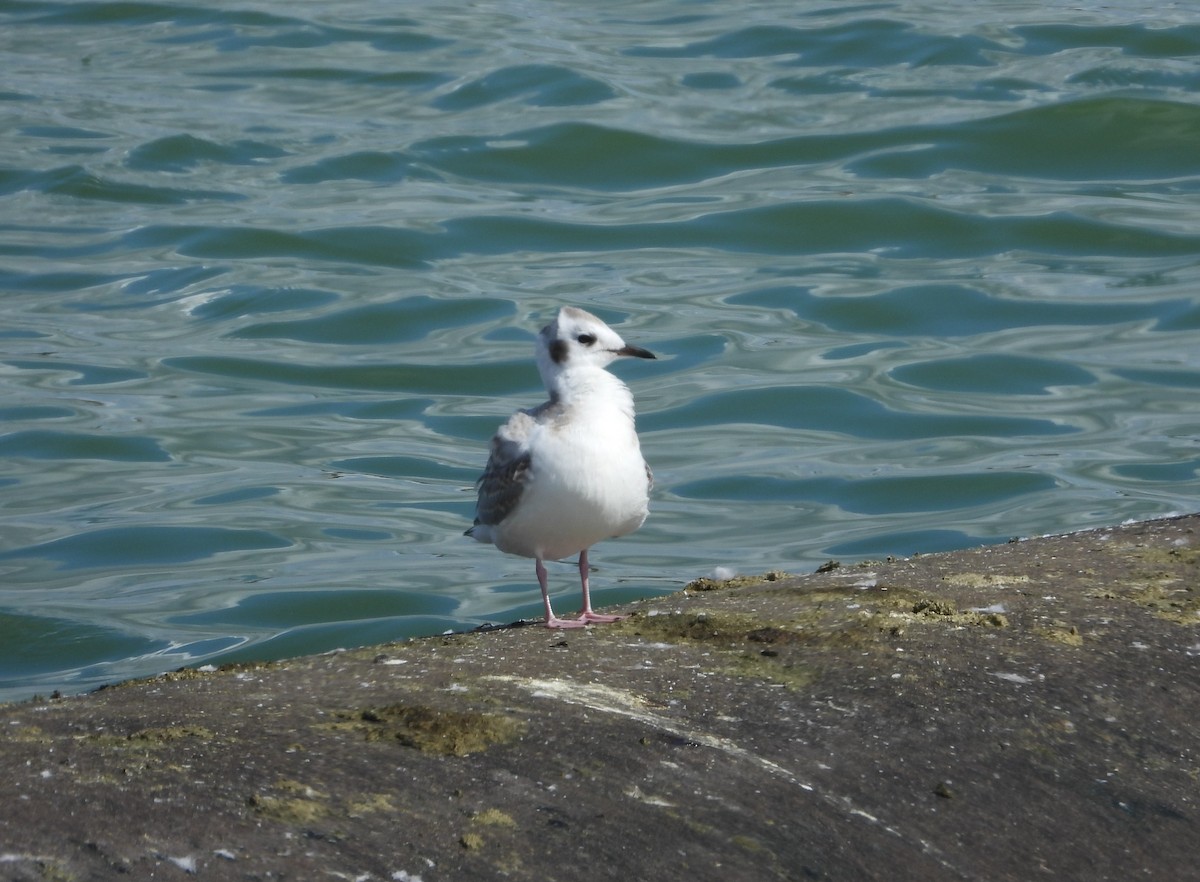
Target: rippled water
<point>920,275</point>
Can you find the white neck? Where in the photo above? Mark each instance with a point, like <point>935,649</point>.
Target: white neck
<point>597,386</point>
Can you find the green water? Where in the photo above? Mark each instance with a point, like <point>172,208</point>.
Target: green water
<point>920,276</point>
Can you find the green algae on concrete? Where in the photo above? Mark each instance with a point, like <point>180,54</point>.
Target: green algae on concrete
<point>293,803</point>
<point>1165,581</point>
<point>164,734</point>
<point>708,583</point>
<point>431,730</point>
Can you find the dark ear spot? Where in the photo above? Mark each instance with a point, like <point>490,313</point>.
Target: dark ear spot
<point>558,351</point>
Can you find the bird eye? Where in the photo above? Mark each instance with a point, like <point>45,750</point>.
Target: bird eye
<point>586,339</point>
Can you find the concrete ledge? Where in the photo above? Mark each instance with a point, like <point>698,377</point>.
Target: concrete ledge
<point>1009,713</point>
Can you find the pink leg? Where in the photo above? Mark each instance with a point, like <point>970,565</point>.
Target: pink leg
<point>587,615</point>
<point>552,621</point>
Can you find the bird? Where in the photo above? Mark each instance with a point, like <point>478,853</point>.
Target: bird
<point>566,474</point>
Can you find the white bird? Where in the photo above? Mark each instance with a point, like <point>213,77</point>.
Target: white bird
<point>569,472</point>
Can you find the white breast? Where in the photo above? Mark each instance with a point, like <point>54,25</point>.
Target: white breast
<point>587,482</point>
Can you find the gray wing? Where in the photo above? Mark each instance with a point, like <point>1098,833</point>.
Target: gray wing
<point>506,473</point>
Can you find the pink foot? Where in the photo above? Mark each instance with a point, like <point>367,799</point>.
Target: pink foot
<point>598,618</point>
<point>556,622</point>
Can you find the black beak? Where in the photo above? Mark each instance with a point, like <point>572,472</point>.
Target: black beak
<point>635,351</point>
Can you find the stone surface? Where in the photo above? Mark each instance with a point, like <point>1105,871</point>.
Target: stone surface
<point>1009,713</point>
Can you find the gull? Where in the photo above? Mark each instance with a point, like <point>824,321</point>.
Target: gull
<point>568,473</point>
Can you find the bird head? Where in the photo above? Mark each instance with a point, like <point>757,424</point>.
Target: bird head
<point>578,339</point>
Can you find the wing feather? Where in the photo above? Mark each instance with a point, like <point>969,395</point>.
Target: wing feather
<point>507,471</point>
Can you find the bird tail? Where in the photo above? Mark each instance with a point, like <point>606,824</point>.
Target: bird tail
<point>480,533</point>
